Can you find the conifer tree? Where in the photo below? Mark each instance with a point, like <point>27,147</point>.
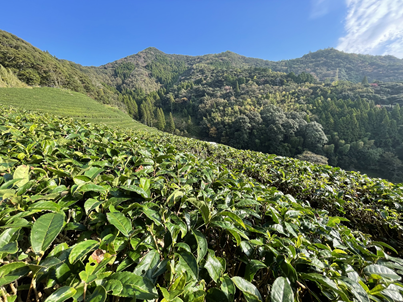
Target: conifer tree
<point>170,127</point>
<point>145,115</point>
<point>364,81</point>
<point>160,119</point>
<point>171,102</point>
<point>135,109</point>
<point>237,87</point>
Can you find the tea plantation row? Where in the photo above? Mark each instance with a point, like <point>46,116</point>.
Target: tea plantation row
<point>372,205</point>
<point>90,213</point>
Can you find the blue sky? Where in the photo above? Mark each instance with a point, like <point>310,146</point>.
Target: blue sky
<point>97,32</point>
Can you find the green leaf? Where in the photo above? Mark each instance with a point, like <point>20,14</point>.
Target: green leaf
<point>7,236</point>
<point>236,236</point>
<point>9,248</point>
<point>121,222</point>
<point>214,294</point>
<point>233,216</point>
<point>91,188</point>
<point>189,263</point>
<point>201,245</point>
<point>333,221</point>
<point>382,271</point>
<point>81,249</point>
<point>252,267</point>
<point>326,282</point>
<point>250,291</point>
<point>179,283</point>
<point>213,266</point>
<point>17,222</point>
<point>91,204</point>
<point>152,214</point>
<point>281,291</point>
<point>393,292</point>
<point>21,172</point>
<point>12,271</point>
<point>45,205</point>
<point>98,295</point>
<point>9,184</point>
<point>62,294</point>
<point>289,271</point>
<point>133,285</point>
<point>7,163</point>
<point>379,243</point>
<point>81,179</point>
<point>93,172</point>
<point>356,289</point>
<point>137,190</point>
<point>115,286</point>
<point>228,287</point>
<point>45,229</point>
<point>148,264</point>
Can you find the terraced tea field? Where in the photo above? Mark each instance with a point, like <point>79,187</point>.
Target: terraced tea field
<point>70,104</point>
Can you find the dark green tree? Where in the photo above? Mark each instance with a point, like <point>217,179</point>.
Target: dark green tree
<point>160,119</point>
<point>170,126</point>
<point>364,81</point>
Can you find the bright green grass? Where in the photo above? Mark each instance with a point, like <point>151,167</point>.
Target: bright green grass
<point>68,103</point>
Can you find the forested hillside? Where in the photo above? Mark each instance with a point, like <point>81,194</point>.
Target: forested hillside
<point>356,126</point>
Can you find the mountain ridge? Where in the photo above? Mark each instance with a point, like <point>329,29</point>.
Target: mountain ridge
<point>36,67</point>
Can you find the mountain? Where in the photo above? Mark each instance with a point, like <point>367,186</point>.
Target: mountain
<point>151,68</point>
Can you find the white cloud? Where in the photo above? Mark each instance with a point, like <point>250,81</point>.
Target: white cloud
<point>319,8</point>
<point>374,27</point>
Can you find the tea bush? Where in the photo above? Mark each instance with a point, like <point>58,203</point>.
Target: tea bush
<point>90,213</point>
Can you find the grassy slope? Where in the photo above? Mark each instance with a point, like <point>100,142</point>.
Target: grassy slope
<point>68,103</point>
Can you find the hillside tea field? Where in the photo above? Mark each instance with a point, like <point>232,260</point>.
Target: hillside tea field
<point>69,104</point>
<point>91,213</point>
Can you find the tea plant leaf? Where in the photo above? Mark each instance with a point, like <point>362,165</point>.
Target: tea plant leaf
<point>9,248</point>
<point>147,264</point>
<point>250,291</point>
<point>228,287</point>
<point>45,205</point>
<point>281,291</point>
<point>81,249</point>
<point>234,217</point>
<point>93,172</point>
<point>115,286</point>
<point>91,187</point>
<point>134,285</point>
<point>214,294</point>
<point>62,294</point>
<point>45,230</point>
<point>189,264</point>
<point>98,295</point>
<point>201,245</point>
<point>356,289</point>
<point>137,190</point>
<point>252,267</point>
<point>213,266</point>
<point>12,271</point>
<point>22,172</point>
<point>91,204</point>
<point>7,236</point>
<point>382,271</point>
<point>121,222</point>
